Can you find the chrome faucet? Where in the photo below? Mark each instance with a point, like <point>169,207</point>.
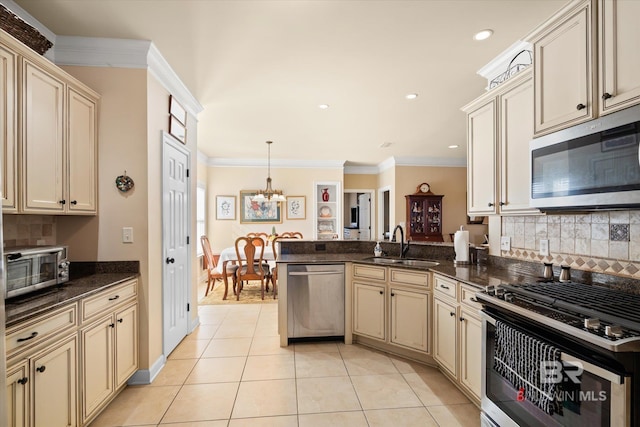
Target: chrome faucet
<point>403,249</point>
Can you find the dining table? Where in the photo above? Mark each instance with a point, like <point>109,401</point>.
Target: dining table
<point>229,255</point>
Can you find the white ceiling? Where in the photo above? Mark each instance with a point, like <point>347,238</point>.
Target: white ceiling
<point>260,68</point>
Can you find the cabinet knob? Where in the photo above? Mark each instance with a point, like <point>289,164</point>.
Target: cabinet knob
<point>41,368</point>
<point>606,95</point>
<point>462,319</point>
<point>490,204</point>
<point>170,260</point>
<point>23,380</point>
<point>392,294</point>
<point>112,325</point>
<point>74,202</point>
<point>381,292</point>
<point>62,202</point>
<point>120,320</point>
<point>502,203</point>
<point>581,106</point>
<point>452,314</point>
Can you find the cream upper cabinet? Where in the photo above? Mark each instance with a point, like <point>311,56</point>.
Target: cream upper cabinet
<point>82,151</point>
<point>563,64</point>
<point>618,41</point>
<point>481,158</point>
<point>499,129</point>
<point>42,140</point>
<point>516,131</point>
<point>8,122</point>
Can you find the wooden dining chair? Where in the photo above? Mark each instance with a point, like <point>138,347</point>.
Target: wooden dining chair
<point>250,254</point>
<point>292,235</point>
<point>275,244</point>
<point>211,265</point>
<point>263,236</point>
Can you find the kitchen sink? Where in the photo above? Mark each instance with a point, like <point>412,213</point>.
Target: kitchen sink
<point>422,263</point>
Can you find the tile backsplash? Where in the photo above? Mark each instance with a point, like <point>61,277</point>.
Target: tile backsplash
<point>23,230</point>
<point>603,242</point>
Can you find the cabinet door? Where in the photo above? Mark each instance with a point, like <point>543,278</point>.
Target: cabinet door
<point>8,138</point>
<point>42,141</point>
<point>563,73</point>
<point>97,364</point>
<point>619,55</point>
<point>17,396</point>
<point>481,159</point>
<point>126,344</point>
<point>516,131</point>
<point>368,310</point>
<point>445,335</point>
<point>55,385</point>
<point>410,319</point>
<point>82,143</point>
<point>470,348</point>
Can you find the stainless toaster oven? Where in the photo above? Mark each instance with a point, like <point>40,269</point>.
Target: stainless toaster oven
<point>32,268</point>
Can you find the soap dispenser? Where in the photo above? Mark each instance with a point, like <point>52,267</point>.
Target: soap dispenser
<point>377,251</point>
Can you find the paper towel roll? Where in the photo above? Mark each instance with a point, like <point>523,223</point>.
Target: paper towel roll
<point>461,245</point>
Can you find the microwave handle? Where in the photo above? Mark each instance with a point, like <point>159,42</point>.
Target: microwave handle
<point>13,257</point>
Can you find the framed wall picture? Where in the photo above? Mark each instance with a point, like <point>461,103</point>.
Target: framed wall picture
<point>177,110</point>
<point>258,212</point>
<point>177,129</point>
<point>296,207</point>
<point>225,207</point>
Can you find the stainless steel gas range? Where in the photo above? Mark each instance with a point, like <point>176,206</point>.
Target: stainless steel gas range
<point>560,354</point>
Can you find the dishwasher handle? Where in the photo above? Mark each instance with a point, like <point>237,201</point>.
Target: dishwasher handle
<point>315,273</point>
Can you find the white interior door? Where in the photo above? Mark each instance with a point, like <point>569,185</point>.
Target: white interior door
<point>176,225</point>
<point>364,211</point>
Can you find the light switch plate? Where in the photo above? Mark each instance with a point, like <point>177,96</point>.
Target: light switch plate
<point>127,234</point>
<point>544,247</point>
<point>505,243</point>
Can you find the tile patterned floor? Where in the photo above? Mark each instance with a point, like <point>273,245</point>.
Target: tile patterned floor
<point>232,372</point>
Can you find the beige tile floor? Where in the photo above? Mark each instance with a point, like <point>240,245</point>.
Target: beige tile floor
<point>232,372</point>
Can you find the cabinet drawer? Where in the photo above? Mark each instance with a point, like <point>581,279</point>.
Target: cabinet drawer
<point>370,272</point>
<point>468,296</point>
<point>445,286</point>
<point>40,328</point>
<point>107,299</point>
<point>408,277</point>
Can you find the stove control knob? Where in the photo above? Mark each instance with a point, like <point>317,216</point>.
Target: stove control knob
<point>490,290</point>
<point>613,331</point>
<point>508,297</point>
<point>500,292</point>
<point>592,323</point>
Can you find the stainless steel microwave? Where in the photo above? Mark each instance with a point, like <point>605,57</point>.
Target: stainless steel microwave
<point>590,166</point>
<point>31,268</point>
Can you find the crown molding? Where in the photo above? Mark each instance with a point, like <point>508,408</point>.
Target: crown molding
<point>278,163</point>
<point>499,64</point>
<point>361,170</point>
<point>124,53</point>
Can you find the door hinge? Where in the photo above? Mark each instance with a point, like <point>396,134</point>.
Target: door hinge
<point>187,173</point>
<point>188,307</point>
<point>187,240</point>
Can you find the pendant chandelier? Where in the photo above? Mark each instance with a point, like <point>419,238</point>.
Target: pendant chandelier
<point>269,194</point>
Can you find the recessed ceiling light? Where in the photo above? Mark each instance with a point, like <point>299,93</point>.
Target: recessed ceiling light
<point>411,96</point>
<point>483,35</point>
<point>454,146</point>
<point>323,106</point>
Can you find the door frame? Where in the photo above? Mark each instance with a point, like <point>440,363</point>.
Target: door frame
<point>381,212</point>
<point>372,210</point>
<point>168,140</point>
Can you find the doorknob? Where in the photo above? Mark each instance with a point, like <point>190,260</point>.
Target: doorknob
<point>170,260</point>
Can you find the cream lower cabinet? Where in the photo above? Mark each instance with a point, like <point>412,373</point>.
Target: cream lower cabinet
<point>108,346</point>
<point>18,395</point>
<point>457,341</point>
<point>392,306</point>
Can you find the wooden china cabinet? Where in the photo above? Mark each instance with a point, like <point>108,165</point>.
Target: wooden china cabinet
<point>424,215</point>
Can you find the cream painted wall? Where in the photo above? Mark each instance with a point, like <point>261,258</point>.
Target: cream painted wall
<point>229,181</point>
<point>447,181</point>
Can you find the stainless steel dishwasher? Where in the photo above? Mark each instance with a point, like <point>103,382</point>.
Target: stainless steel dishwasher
<point>315,301</point>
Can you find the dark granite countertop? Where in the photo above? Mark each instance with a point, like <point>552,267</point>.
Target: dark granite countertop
<point>26,306</point>
<point>473,274</point>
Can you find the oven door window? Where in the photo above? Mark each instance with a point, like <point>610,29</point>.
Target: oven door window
<point>585,399</point>
<point>603,162</point>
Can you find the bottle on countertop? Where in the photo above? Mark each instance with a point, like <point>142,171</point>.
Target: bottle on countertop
<point>377,251</point>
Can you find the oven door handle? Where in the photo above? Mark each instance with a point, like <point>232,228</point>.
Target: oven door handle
<point>593,369</point>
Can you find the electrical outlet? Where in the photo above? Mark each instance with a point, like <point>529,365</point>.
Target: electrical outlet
<point>127,234</point>
<point>544,247</point>
<point>505,243</point>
